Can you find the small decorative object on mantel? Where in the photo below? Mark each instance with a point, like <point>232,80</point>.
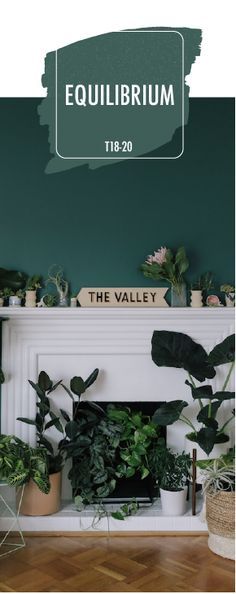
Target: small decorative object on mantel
<point>165,265</point>
<point>122,297</point>
<point>213,301</point>
<point>229,291</point>
<point>73,301</point>
<point>32,285</point>
<point>15,298</point>
<point>55,277</point>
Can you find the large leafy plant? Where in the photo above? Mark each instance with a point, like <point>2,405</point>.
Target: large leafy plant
<point>19,463</point>
<point>175,349</point>
<point>46,418</point>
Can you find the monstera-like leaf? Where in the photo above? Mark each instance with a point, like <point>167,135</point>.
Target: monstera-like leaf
<point>223,352</point>
<point>175,349</point>
<point>12,279</point>
<point>169,412</point>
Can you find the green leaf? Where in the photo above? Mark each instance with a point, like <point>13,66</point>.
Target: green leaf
<point>223,352</point>
<point>202,392</point>
<point>55,386</point>
<point>169,412</point>
<point>103,491</point>
<point>144,472</point>
<point>44,442</point>
<point>37,389</point>
<point>130,472</point>
<point>175,349</point>
<point>149,430</point>
<point>77,385</point>
<point>27,421</point>
<point>181,260</point>
<point>202,416</point>
<point>65,415</point>
<point>39,422</point>
<point>71,429</point>
<point>91,378</point>
<point>117,515</point>
<point>44,381</point>
<point>52,423</point>
<point>206,439</point>
<point>100,477</point>
<point>224,395</point>
<point>68,392</point>
<point>221,438</point>
<point>57,422</point>
<point>117,415</point>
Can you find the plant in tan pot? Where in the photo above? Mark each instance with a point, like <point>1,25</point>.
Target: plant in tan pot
<point>219,491</point>
<point>33,284</point>
<point>36,503</point>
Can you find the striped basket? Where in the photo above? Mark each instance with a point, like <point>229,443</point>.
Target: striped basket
<point>220,515</point>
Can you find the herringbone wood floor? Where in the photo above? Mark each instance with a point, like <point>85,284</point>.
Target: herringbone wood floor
<point>116,564</point>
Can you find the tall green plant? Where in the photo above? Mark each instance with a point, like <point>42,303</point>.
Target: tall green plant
<point>46,418</point>
<point>175,349</point>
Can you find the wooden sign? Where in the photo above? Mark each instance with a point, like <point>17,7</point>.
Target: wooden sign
<point>122,297</point>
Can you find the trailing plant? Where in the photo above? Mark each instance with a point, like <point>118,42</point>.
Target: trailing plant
<point>166,265</point>
<point>19,463</point>
<point>170,470</point>
<point>46,418</point>
<point>175,349</point>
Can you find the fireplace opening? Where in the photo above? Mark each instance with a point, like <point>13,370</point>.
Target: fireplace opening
<point>143,490</point>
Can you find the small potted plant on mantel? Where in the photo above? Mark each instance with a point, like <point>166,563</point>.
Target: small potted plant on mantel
<point>229,291</point>
<point>32,285</point>
<point>199,289</point>
<point>15,297</point>
<point>171,471</point>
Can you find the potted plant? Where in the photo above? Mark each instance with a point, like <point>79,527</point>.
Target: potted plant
<point>175,349</point>
<point>219,491</point>
<point>15,297</point>
<point>164,264</point>
<point>34,502</point>
<point>199,289</point>
<point>229,291</point>
<point>32,285</point>
<point>20,464</point>
<point>2,296</point>
<point>171,471</point>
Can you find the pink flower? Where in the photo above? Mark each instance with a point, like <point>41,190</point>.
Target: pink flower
<point>149,260</point>
<point>160,256</point>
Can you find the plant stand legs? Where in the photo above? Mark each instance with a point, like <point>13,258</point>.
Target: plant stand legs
<point>14,526</point>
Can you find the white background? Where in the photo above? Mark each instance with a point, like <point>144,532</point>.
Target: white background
<point>29,29</point>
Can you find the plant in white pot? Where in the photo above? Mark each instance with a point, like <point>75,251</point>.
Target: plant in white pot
<point>32,285</point>
<point>219,491</point>
<point>175,349</point>
<point>15,297</point>
<point>35,503</point>
<point>229,291</point>
<point>171,471</point>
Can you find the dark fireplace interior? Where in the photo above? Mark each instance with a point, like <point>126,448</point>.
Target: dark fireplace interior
<point>143,490</point>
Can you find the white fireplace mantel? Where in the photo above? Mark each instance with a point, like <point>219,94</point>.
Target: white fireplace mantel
<point>73,341</point>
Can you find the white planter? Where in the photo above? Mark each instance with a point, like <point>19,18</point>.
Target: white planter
<point>230,299</point>
<point>14,301</point>
<point>196,299</point>
<point>173,503</point>
<point>30,299</point>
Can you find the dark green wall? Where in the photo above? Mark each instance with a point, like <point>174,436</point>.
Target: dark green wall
<point>99,225</point>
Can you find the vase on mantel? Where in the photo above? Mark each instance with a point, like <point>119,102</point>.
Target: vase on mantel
<point>196,298</point>
<point>178,295</point>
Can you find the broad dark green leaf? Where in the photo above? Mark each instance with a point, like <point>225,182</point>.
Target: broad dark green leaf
<point>206,439</point>
<point>117,415</point>
<point>44,381</point>
<point>223,352</point>
<point>51,423</point>
<point>27,421</point>
<point>91,378</point>
<point>100,477</point>
<point>71,429</point>
<point>203,417</point>
<point>103,491</point>
<point>57,422</point>
<point>169,412</point>
<point>77,385</point>
<point>39,422</point>
<point>117,515</point>
<point>224,395</point>
<point>55,386</point>
<point>37,389</point>
<point>65,415</point>
<point>201,392</point>
<point>43,441</point>
<point>144,472</point>
<point>175,349</point>
<point>221,438</point>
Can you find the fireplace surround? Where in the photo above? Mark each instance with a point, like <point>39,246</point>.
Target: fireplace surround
<point>66,342</point>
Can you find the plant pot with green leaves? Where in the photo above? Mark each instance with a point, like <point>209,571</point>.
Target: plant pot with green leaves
<point>22,465</point>
<point>175,349</point>
<point>33,283</point>
<point>166,265</point>
<point>35,503</point>
<point>219,491</point>
<point>104,445</point>
<point>171,472</point>
<point>15,298</point>
<point>200,288</point>
<point>229,291</point>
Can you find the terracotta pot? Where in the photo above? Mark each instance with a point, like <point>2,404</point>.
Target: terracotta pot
<point>36,503</point>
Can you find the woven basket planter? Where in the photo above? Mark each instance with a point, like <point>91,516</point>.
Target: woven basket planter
<point>220,515</point>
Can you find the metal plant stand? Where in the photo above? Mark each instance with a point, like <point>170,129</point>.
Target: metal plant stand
<point>14,527</point>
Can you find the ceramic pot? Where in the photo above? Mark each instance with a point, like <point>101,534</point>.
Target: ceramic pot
<point>196,299</point>
<point>173,503</point>
<point>14,301</point>
<point>30,299</point>
<point>216,452</point>
<point>230,299</point>
<point>178,295</point>
<point>36,503</point>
